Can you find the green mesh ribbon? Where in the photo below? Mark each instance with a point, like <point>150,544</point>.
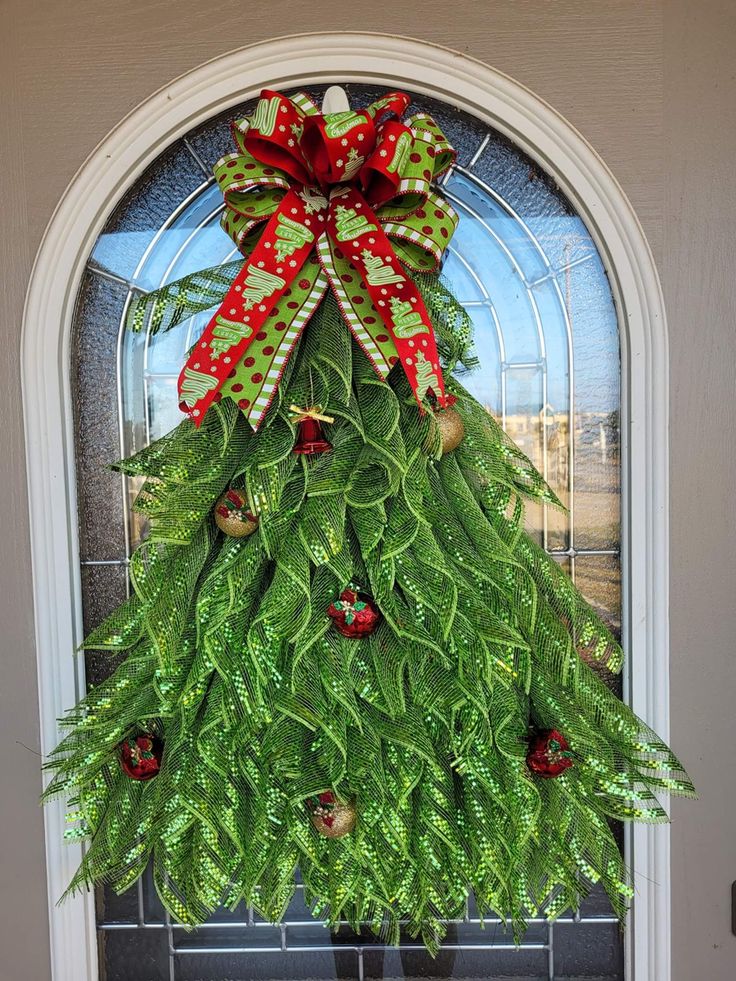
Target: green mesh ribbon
<point>230,658</point>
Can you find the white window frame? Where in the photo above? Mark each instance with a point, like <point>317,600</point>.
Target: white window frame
<point>545,136</point>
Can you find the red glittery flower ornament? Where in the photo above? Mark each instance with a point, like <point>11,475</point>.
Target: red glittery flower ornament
<point>140,756</point>
<point>323,805</point>
<point>354,614</point>
<point>548,754</point>
<point>233,504</point>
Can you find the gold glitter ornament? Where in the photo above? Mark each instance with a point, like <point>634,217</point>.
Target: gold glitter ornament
<point>232,515</point>
<point>333,818</point>
<point>451,428</point>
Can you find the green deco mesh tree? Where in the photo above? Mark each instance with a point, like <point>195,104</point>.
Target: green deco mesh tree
<point>260,704</point>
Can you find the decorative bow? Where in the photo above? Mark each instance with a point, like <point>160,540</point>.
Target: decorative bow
<point>310,412</point>
<point>347,202</point>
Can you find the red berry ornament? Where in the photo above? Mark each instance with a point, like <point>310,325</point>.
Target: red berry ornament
<point>140,756</point>
<point>549,754</point>
<point>354,614</point>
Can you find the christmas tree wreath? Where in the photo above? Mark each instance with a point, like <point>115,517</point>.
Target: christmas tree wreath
<point>343,653</point>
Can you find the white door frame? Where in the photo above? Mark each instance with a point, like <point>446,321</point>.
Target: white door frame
<point>116,163</point>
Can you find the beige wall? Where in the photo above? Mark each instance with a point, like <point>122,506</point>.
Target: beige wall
<point>697,270</point>
<point>650,83</point>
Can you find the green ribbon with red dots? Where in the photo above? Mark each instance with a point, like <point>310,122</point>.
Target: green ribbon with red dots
<point>347,203</point>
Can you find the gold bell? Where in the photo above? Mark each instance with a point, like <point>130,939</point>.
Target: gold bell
<point>451,428</point>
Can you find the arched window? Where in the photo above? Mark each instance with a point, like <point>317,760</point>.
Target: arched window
<point>526,267</point>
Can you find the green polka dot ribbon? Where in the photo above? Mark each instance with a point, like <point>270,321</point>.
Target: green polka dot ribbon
<point>341,201</point>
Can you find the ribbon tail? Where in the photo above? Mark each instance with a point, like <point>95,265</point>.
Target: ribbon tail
<point>266,277</point>
<point>254,386</point>
<point>377,346</point>
<point>356,234</point>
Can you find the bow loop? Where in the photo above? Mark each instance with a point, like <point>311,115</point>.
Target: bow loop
<point>238,173</point>
<point>442,153</point>
<point>274,135</point>
<point>392,102</point>
<point>337,144</point>
<point>304,101</point>
<point>420,236</point>
<point>382,173</point>
<point>252,192</point>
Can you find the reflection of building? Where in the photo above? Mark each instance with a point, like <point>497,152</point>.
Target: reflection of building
<point>545,438</point>
<point>585,537</point>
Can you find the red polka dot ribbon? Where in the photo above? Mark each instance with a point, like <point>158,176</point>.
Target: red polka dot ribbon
<point>347,202</point>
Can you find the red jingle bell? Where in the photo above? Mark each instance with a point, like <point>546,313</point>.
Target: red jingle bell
<point>549,754</point>
<point>354,614</point>
<point>140,756</point>
<point>310,439</point>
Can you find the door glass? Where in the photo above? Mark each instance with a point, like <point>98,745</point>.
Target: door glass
<point>546,333</point>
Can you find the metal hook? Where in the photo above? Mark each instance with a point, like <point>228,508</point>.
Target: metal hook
<point>335,99</point>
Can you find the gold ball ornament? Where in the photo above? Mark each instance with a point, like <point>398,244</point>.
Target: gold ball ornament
<point>331,817</point>
<point>232,515</point>
<point>451,428</point>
